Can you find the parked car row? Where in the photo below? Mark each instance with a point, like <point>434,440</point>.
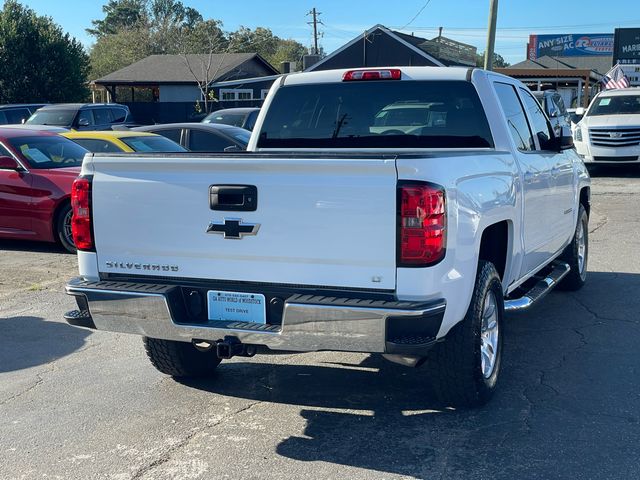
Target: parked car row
<point>40,158</point>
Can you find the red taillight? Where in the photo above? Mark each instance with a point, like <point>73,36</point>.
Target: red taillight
<point>385,74</point>
<point>81,220</point>
<point>422,224</point>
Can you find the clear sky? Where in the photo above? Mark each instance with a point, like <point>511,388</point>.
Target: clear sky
<point>463,20</point>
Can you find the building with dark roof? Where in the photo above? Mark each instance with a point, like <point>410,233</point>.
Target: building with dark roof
<point>165,88</point>
<point>377,47</point>
<point>175,78</point>
<point>380,46</point>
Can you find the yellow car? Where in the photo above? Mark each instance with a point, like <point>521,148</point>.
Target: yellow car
<point>123,141</point>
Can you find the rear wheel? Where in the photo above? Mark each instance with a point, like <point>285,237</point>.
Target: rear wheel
<point>465,367</point>
<point>577,254</point>
<point>180,359</point>
<point>63,229</point>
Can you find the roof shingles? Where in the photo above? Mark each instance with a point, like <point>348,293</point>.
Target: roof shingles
<point>157,69</point>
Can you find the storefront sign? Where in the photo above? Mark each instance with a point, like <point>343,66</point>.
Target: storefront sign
<point>570,45</point>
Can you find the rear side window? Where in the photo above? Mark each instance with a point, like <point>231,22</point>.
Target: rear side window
<point>85,118</point>
<point>119,115</point>
<point>560,103</point>
<point>516,119</point>
<point>170,133</point>
<point>17,115</point>
<point>207,142</point>
<point>377,114</point>
<point>102,116</point>
<point>251,120</point>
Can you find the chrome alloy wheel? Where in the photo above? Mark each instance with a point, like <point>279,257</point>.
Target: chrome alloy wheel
<point>66,228</point>
<point>582,248</point>
<point>489,335</point>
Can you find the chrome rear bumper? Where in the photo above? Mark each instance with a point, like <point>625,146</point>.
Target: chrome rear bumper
<point>309,323</point>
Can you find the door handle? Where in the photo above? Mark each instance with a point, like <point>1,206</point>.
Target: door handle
<point>233,198</point>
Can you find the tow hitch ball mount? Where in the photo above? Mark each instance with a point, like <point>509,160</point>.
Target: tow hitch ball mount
<point>227,348</point>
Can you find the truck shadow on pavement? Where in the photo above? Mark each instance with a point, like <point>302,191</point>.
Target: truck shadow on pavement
<point>567,407</point>
<point>31,341</point>
<point>614,171</point>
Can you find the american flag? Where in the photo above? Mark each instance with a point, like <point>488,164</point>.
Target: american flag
<point>615,78</point>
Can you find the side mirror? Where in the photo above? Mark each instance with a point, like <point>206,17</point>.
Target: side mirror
<point>83,122</point>
<point>580,111</point>
<point>565,138</point>
<point>9,163</point>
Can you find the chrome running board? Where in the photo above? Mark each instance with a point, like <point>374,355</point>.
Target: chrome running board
<point>539,290</point>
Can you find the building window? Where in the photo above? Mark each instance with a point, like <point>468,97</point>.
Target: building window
<point>227,95</point>
<point>236,94</point>
<point>263,93</point>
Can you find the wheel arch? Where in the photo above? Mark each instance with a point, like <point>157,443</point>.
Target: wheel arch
<point>585,199</point>
<point>495,244</point>
<point>62,203</point>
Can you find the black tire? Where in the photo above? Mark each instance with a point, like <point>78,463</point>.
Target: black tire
<point>456,365</point>
<point>180,359</point>
<point>63,229</point>
<point>577,276</point>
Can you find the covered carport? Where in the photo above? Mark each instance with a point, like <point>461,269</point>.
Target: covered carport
<point>583,83</point>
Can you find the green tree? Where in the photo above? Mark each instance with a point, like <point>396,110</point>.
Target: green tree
<point>288,51</point>
<point>133,29</point>
<point>115,51</point>
<point>40,63</point>
<point>271,47</point>
<point>119,15</point>
<point>498,61</point>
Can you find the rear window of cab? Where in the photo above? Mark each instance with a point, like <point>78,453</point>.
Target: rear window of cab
<point>377,114</point>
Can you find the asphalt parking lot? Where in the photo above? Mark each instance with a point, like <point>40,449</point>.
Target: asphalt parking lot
<point>76,404</point>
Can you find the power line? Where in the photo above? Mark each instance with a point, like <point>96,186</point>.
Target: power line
<point>416,15</point>
<point>529,27</point>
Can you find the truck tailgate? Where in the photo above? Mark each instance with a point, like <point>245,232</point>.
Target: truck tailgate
<point>319,220</point>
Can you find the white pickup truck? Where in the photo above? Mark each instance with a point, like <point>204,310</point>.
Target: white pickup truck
<point>341,229</point>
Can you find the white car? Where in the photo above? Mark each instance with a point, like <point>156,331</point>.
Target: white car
<point>331,234</point>
<point>609,132</point>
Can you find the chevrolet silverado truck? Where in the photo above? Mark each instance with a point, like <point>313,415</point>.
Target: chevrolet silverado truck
<point>333,234</point>
<point>609,132</point>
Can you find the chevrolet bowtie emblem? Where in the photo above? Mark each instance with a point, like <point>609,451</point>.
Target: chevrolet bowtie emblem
<point>233,228</point>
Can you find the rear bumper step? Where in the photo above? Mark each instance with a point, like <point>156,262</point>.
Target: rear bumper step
<point>308,323</point>
<point>538,290</point>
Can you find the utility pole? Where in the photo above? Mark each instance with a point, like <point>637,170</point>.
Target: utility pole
<point>491,35</point>
<point>315,14</point>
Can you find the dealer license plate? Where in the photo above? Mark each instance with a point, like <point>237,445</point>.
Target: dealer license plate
<point>236,306</point>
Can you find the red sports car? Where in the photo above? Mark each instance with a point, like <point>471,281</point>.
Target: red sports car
<point>37,169</point>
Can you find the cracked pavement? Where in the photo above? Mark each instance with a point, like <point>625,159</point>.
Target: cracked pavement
<point>76,404</point>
